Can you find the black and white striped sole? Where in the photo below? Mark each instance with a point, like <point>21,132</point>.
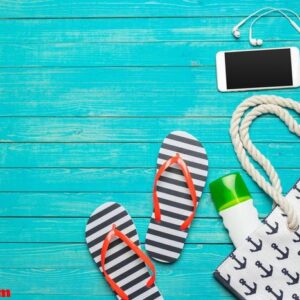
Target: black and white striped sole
<point>165,240</point>
<point>122,264</point>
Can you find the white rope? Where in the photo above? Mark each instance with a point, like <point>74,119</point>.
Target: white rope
<point>239,132</point>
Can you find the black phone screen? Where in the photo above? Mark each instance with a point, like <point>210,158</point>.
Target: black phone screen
<point>258,68</point>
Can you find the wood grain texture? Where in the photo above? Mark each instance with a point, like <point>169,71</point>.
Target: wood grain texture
<point>117,30</point>
<point>115,92</point>
<point>127,155</point>
<point>88,91</point>
<point>133,8</point>
<point>58,129</point>
<point>167,54</point>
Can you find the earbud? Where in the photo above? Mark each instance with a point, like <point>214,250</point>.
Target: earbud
<point>236,33</point>
<point>256,42</point>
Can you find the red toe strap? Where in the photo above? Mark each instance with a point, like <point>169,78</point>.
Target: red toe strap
<point>189,180</point>
<point>115,232</point>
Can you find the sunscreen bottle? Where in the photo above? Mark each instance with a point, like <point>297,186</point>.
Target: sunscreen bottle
<point>235,205</point>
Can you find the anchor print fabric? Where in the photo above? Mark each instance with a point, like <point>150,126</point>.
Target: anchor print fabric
<point>267,265</point>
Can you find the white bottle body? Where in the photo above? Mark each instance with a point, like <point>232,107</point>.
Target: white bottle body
<point>240,220</point>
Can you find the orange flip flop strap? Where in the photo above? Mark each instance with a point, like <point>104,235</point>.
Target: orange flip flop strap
<point>189,180</point>
<point>115,232</point>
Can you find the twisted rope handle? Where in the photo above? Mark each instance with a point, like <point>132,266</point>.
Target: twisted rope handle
<point>239,132</point>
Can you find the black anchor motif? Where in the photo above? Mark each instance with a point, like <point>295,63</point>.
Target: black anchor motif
<point>297,189</point>
<point>228,279</point>
<point>294,279</point>
<point>270,290</point>
<point>252,290</point>
<point>268,273</point>
<point>298,236</point>
<point>296,297</point>
<point>273,229</point>
<point>242,265</point>
<point>284,255</point>
<point>258,247</point>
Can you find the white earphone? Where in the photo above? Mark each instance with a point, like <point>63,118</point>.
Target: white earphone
<point>268,10</point>
<point>235,30</point>
<point>259,42</point>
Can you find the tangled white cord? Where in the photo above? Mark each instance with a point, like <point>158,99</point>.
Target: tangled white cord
<point>239,132</point>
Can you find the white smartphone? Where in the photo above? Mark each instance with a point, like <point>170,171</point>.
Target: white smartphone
<point>258,69</point>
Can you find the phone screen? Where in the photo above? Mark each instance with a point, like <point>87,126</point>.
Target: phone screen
<point>258,69</point>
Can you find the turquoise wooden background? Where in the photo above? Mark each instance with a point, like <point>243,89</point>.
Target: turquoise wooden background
<point>88,91</point>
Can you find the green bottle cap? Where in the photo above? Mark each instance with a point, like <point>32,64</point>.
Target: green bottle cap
<point>228,191</point>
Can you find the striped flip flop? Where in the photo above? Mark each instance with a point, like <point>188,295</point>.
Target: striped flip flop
<point>113,242</point>
<point>182,168</point>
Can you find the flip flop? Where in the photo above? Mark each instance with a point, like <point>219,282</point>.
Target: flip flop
<point>113,242</point>
<point>182,168</point>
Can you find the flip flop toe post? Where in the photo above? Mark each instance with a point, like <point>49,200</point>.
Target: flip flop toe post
<point>114,245</point>
<point>182,168</point>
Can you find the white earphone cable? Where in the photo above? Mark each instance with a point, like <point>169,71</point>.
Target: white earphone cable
<point>239,132</point>
<point>279,10</point>
<point>290,11</point>
<point>252,15</point>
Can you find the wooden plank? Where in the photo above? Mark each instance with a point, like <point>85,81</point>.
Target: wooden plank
<point>118,92</point>
<point>90,282</point>
<point>68,270</point>
<point>184,54</point>
<point>128,155</point>
<point>116,30</point>
<point>82,204</point>
<point>39,129</point>
<point>71,230</point>
<point>49,260</point>
<point>133,8</point>
<point>125,180</point>
<point>56,256</point>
